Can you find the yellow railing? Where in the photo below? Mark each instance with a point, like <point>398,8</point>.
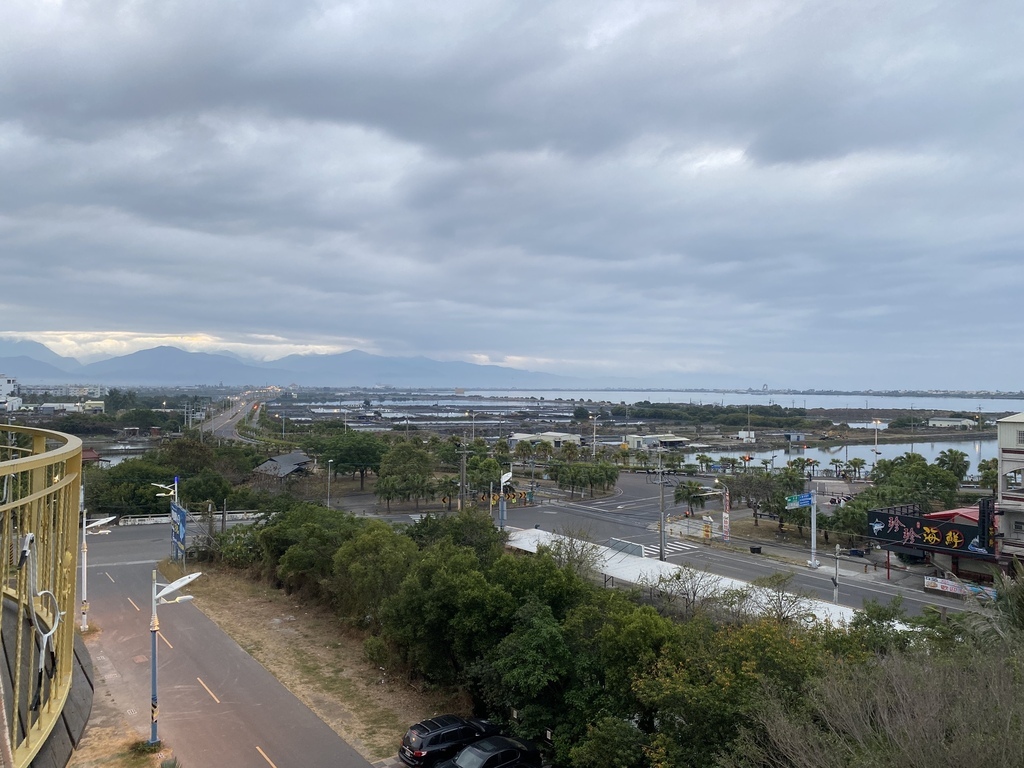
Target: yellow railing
<point>40,477</point>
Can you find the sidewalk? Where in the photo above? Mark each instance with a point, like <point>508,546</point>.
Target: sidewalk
<point>871,567</point>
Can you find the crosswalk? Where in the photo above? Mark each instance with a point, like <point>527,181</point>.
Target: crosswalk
<point>672,547</point>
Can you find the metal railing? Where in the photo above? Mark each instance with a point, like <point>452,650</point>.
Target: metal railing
<point>40,478</point>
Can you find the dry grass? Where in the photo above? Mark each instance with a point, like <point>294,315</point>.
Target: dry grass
<point>318,660</point>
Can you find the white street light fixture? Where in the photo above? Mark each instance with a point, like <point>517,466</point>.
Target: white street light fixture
<point>85,556</point>
<point>159,598</point>
<point>501,500</point>
<point>171,490</point>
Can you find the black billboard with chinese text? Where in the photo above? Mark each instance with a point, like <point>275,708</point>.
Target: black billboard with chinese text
<point>887,526</point>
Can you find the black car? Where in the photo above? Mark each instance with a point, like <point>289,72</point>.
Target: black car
<point>438,738</point>
<point>496,752</point>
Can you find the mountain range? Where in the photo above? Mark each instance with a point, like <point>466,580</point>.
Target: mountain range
<point>33,363</point>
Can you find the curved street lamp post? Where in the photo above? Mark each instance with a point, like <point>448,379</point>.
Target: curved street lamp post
<point>160,598</point>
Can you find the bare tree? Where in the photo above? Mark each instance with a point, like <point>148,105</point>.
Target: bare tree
<point>572,548</point>
<point>773,599</point>
<point>688,591</point>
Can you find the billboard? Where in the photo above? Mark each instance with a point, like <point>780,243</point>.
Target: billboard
<point>889,526</point>
<point>178,517</point>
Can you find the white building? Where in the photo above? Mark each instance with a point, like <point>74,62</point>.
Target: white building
<point>1010,492</point>
<point>9,404</point>
<point>952,423</point>
<point>8,385</point>
<point>646,442</point>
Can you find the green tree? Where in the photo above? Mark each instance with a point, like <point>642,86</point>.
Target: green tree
<point>445,615</point>
<point>368,569</point>
<point>206,486</point>
<point>955,462</point>
<point>856,464</point>
<point>611,742</point>
<point>409,467</point>
<point>988,474</point>
<point>693,493</point>
<point>360,452</point>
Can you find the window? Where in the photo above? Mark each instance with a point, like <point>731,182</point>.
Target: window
<point>1020,437</point>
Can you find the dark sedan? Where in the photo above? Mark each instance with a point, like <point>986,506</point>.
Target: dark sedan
<point>496,752</point>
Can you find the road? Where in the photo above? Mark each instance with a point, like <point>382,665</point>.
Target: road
<point>218,706</point>
<point>632,513</point>
<point>224,423</point>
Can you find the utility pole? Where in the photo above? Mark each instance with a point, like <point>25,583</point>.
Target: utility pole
<point>835,580</point>
<point>462,479</point>
<point>661,510</point>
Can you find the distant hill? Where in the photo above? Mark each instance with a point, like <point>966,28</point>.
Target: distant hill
<point>357,368</point>
<point>29,371</point>
<point>170,366</point>
<point>176,367</point>
<point>33,350</point>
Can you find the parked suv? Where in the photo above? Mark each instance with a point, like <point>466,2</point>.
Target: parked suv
<point>496,752</point>
<point>439,738</point>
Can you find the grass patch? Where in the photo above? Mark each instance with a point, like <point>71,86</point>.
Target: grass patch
<point>317,658</point>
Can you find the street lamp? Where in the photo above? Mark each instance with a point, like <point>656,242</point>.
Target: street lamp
<point>472,434</point>
<point>724,491</point>
<point>593,442</point>
<point>330,465</point>
<point>159,598</point>
<point>835,579</point>
<point>85,549</point>
<point>170,490</point>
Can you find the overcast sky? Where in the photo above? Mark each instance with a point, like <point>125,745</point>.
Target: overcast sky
<point>819,194</point>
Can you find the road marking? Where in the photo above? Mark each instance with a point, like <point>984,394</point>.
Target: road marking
<point>109,577</point>
<point>264,754</point>
<point>652,550</point>
<point>211,693</point>
<point>134,605</point>
<point>161,636</point>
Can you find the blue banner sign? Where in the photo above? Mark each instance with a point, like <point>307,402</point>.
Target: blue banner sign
<point>178,517</point>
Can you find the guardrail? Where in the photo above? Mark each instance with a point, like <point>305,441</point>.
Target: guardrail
<point>40,480</point>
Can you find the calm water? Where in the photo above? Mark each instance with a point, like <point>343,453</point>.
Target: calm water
<point>852,402</point>
<point>976,450</point>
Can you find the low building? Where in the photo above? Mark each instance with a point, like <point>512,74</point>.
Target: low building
<point>649,442</point>
<point>944,423</point>
<point>285,465</point>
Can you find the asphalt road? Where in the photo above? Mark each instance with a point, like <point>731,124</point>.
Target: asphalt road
<point>632,513</point>
<point>217,706</point>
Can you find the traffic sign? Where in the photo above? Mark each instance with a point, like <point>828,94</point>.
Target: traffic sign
<point>800,500</point>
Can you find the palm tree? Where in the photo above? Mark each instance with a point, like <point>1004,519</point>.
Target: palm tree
<point>954,461</point>
<point>569,451</point>
<point>448,487</point>
<point>837,465</point>
<point>693,493</point>
<point>856,464</point>
<point>544,450</point>
<point>704,461</point>
<point>524,451</point>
